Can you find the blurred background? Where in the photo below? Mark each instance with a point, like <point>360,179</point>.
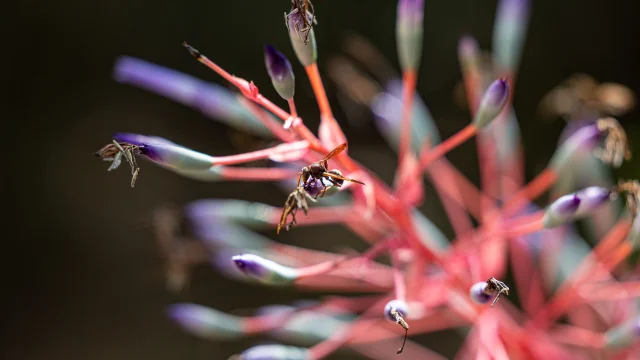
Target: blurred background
<point>82,276</point>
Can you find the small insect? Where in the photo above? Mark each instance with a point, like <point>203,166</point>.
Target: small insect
<point>319,170</point>
<point>302,7</point>
<point>494,284</point>
<point>297,200</point>
<point>115,151</point>
<point>631,188</point>
<point>616,146</point>
<point>400,321</point>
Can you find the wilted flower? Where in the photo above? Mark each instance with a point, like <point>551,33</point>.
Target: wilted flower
<point>574,301</point>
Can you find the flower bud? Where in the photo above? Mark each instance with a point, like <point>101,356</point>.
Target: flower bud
<point>206,322</point>
<point>584,140</point>
<point>280,72</point>
<point>212,100</point>
<point>167,153</point>
<point>623,335</point>
<point>492,103</point>
<point>307,53</point>
<point>251,214</point>
<point>479,293</point>
<point>265,271</point>
<point>509,32</point>
<point>409,29</point>
<point>398,306</point>
<point>275,352</point>
<point>387,109</point>
<point>577,205</point>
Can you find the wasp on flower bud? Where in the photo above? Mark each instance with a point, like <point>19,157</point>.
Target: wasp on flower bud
<point>481,292</point>
<point>302,7</point>
<point>319,171</point>
<point>616,147</point>
<point>115,151</point>
<point>297,200</point>
<point>631,188</point>
<point>396,311</point>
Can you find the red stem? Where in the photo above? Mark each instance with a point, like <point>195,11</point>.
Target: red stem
<point>444,147</point>
<point>410,78</point>
<point>261,154</point>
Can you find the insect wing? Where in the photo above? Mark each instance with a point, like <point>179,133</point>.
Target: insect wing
<point>334,152</point>
<point>116,162</point>
<point>340,177</point>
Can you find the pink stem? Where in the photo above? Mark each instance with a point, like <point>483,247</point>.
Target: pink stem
<point>342,336</point>
<point>576,336</point>
<point>272,125</point>
<point>292,108</point>
<point>444,147</point>
<point>398,278</point>
<point>261,154</point>
<point>256,174</point>
<point>447,191</point>
<point>613,291</point>
<point>409,78</point>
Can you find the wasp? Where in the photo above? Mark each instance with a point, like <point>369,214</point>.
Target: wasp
<point>319,171</point>
<point>297,200</point>
<point>494,284</point>
<point>632,191</point>
<point>307,14</point>
<point>115,151</point>
<point>402,322</point>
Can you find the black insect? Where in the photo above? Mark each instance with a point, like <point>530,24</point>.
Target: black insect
<point>319,171</point>
<point>306,13</point>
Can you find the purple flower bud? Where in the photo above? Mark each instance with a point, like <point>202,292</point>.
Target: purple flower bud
<point>265,271</point>
<point>492,103</point>
<point>206,322</point>
<point>280,72</point>
<point>167,153</point>
<point>306,52</point>
<point>509,32</point>
<point>409,30</point>
<point>396,305</point>
<point>313,187</point>
<point>577,205</point>
<point>250,214</point>
<point>583,140</point>
<point>275,352</point>
<point>468,52</point>
<point>561,210</point>
<point>479,293</point>
<point>623,335</point>
<point>214,101</point>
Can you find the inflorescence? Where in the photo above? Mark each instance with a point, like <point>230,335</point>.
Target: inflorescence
<point>433,283</point>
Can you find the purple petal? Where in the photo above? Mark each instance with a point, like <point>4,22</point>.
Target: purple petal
<point>278,66</point>
<point>477,293</point>
<point>399,305</point>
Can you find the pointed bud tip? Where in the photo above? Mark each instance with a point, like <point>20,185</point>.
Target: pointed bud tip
<point>280,71</point>
<point>492,103</point>
<point>193,51</point>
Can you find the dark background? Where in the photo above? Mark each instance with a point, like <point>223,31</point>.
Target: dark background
<point>81,278</point>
